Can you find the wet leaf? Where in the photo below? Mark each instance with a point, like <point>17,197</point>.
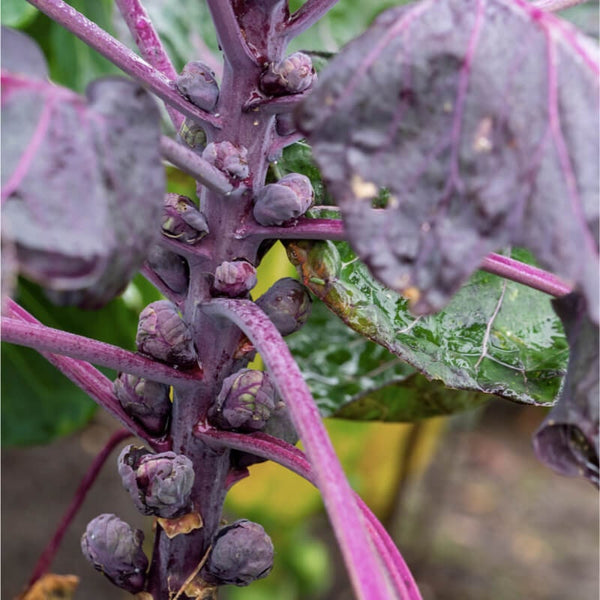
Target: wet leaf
<point>480,119</point>
<point>353,378</point>
<point>83,181</point>
<point>568,439</point>
<point>495,336</point>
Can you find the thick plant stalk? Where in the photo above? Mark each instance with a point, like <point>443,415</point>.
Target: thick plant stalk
<point>366,573</point>
<point>47,339</point>
<point>86,483</point>
<point>149,44</point>
<point>289,456</point>
<point>122,57</point>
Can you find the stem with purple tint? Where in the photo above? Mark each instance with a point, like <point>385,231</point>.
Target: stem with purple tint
<point>47,339</point>
<point>149,44</point>
<point>306,16</point>
<point>122,57</point>
<point>95,384</point>
<point>333,229</point>
<point>292,458</point>
<point>47,556</point>
<point>556,5</point>
<point>346,519</point>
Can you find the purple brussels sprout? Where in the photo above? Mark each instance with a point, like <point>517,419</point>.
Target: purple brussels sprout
<point>198,84</point>
<point>279,425</point>
<point>285,124</point>
<point>146,401</point>
<point>164,335</point>
<point>235,278</point>
<point>115,548</point>
<point>229,158</point>
<point>241,553</point>
<point>181,220</point>
<point>245,402</point>
<point>292,75</point>
<point>159,484</point>
<point>171,268</point>
<point>281,202</point>
<point>287,303</point>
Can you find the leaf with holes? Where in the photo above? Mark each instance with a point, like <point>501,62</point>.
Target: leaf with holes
<point>480,118</point>
<point>495,336</point>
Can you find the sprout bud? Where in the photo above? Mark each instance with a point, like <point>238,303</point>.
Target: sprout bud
<point>245,402</point>
<point>198,84</point>
<point>182,221</point>
<point>287,303</point>
<point>164,335</point>
<point>171,268</point>
<point>192,134</point>
<point>229,158</point>
<point>242,553</point>
<point>159,484</point>
<point>235,278</point>
<point>115,549</point>
<point>288,199</point>
<point>292,75</point>
<point>146,401</point>
<point>285,124</point>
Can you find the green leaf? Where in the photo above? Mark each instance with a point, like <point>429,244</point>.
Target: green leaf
<point>496,336</point>
<point>353,378</point>
<point>72,63</point>
<point>39,403</point>
<point>16,13</point>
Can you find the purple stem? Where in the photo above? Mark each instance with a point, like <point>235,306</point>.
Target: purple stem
<point>47,339</point>
<point>191,163</point>
<point>554,5</point>
<point>333,229</point>
<point>122,57</point>
<point>94,383</point>
<point>366,573</point>
<point>277,105</point>
<point>229,35</point>
<point>151,48</point>
<point>86,483</point>
<point>306,16</point>
<point>292,458</point>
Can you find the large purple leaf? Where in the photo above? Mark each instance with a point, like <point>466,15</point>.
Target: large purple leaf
<point>569,439</point>
<point>481,120</point>
<point>82,180</point>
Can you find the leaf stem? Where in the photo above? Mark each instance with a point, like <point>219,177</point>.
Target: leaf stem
<point>306,16</point>
<point>285,454</point>
<point>151,48</point>
<point>229,35</point>
<point>124,58</point>
<point>366,573</point>
<point>193,164</point>
<point>56,341</point>
<point>556,5</point>
<point>94,383</point>
<point>86,483</point>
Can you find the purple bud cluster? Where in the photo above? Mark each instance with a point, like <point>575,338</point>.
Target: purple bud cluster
<point>229,158</point>
<point>165,336</point>
<point>241,553</point>
<point>159,484</point>
<point>146,401</point>
<point>198,84</point>
<point>235,278</point>
<point>115,548</point>
<point>245,402</point>
<point>292,75</point>
<point>282,202</point>
<point>287,303</point>
<point>181,220</point>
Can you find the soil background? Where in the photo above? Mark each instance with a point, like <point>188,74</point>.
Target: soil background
<point>486,521</point>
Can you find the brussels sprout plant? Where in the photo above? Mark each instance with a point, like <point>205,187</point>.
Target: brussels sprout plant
<point>435,183</point>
